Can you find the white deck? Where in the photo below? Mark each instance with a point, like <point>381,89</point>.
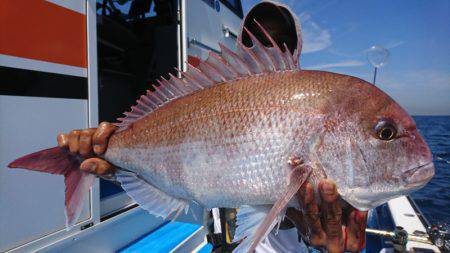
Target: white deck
<point>403,215</point>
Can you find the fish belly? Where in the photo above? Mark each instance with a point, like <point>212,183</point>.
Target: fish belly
<point>250,169</point>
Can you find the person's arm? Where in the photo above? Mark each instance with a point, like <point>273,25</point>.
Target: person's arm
<point>328,225</point>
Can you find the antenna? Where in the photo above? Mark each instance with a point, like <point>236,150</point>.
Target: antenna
<point>378,57</point>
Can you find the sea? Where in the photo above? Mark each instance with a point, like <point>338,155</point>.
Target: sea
<point>434,198</point>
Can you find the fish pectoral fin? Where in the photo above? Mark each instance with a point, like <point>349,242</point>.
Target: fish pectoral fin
<point>149,197</point>
<point>255,222</point>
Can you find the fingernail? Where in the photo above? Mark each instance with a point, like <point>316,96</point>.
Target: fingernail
<point>328,188</point>
<point>89,167</point>
<point>97,148</point>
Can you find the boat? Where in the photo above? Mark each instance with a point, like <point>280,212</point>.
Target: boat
<point>400,225</point>
<point>74,63</point>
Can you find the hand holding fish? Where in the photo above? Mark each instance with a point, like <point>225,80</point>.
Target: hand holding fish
<point>89,142</point>
<point>320,225</point>
<point>328,225</point>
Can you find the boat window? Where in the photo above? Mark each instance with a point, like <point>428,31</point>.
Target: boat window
<point>234,5</point>
<point>137,43</point>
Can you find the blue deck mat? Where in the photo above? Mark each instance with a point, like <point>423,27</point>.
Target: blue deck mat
<point>206,249</point>
<point>163,239</point>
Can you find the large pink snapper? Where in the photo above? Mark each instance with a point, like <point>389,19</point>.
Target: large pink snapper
<point>247,129</point>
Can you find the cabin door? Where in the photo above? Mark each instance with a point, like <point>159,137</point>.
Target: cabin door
<point>43,92</point>
<point>137,42</point>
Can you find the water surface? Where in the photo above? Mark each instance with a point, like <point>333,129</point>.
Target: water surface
<point>434,198</point>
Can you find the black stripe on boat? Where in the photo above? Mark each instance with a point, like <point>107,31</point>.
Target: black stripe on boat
<point>23,82</point>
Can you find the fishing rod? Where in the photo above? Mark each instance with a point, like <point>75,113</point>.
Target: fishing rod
<point>436,236</point>
<point>393,234</point>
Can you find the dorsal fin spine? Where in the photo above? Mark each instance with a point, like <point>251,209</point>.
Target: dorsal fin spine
<point>177,84</point>
<point>213,73</point>
<point>190,84</point>
<point>151,98</point>
<point>191,80</point>
<point>136,109</point>
<point>233,73</point>
<point>295,60</point>
<point>159,94</point>
<point>164,90</point>
<point>251,59</point>
<point>203,79</point>
<point>152,95</point>
<point>143,104</point>
<point>161,88</point>
<point>174,92</point>
<point>238,59</point>
<point>148,101</point>
<point>131,114</point>
<point>288,57</point>
<point>274,44</point>
<point>268,37</point>
<point>257,45</point>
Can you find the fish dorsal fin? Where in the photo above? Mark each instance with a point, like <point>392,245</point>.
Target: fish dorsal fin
<point>229,66</point>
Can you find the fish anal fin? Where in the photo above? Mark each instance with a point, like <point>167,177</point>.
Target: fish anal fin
<point>149,198</point>
<point>298,177</point>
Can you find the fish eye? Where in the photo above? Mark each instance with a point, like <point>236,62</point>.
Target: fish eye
<point>386,130</point>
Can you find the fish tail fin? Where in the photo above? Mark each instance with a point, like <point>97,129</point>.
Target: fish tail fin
<point>61,162</point>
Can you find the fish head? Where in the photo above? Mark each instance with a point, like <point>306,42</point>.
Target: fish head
<point>374,150</point>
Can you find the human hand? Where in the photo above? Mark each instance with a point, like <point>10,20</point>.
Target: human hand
<point>328,225</point>
<point>89,143</point>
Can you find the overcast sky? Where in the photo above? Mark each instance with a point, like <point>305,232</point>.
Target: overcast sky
<point>337,34</point>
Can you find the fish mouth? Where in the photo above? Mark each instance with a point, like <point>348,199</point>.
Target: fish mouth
<point>412,179</point>
<point>418,176</point>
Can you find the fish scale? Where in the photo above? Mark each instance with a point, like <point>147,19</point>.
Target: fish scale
<point>218,145</point>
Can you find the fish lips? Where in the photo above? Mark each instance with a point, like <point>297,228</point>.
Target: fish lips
<point>418,176</point>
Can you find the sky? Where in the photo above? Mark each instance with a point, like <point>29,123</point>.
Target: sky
<point>337,35</point>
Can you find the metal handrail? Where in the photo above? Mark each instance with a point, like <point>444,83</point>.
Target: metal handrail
<point>202,45</point>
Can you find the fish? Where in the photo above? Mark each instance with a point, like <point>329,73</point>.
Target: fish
<point>247,129</point>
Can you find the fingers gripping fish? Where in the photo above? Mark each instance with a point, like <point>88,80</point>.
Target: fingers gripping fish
<point>225,133</point>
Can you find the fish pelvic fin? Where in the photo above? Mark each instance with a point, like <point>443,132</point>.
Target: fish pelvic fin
<point>149,198</point>
<point>249,219</point>
<point>254,223</point>
<point>62,162</point>
<point>228,66</point>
